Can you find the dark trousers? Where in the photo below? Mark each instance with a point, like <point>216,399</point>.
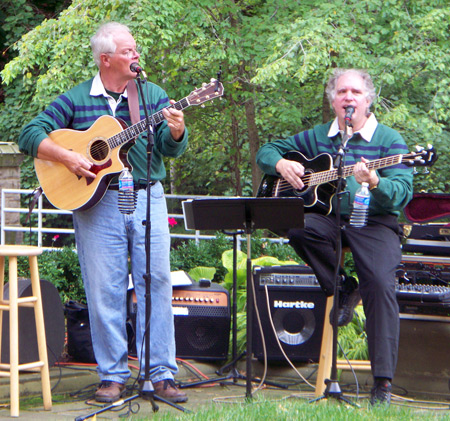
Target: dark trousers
<point>377,254</point>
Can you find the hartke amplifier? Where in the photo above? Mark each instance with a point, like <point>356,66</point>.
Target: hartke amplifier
<point>202,321</point>
<point>297,308</point>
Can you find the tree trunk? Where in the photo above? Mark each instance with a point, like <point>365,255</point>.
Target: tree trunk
<point>254,143</point>
<point>236,159</point>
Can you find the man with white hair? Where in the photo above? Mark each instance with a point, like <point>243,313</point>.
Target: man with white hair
<point>376,246</point>
<point>108,240</point>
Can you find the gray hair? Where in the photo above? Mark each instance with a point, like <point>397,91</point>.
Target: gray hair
<point>337,73</point>
<point>103,40</point>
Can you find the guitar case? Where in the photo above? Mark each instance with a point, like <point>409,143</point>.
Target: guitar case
<point>425,207</point>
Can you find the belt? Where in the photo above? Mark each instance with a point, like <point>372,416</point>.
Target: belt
<point>137,186</point>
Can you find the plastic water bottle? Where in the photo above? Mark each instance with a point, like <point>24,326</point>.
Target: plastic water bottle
<point>360,211</point>
<point>127,200</point>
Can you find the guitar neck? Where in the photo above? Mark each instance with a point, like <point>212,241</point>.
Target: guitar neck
<point>332,175</point>
<point>135,130</point>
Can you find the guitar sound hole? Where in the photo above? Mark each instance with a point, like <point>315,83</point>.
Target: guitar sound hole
<point>99,150</point>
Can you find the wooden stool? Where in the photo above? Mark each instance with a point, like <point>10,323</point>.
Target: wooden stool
<point>326,349</point>
<point>12,305</point>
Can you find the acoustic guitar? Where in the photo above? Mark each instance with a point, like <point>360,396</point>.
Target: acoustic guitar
<point>106,144</point>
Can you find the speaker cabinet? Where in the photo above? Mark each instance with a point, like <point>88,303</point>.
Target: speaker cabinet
<point>423,356</point>
<point>202,322</point>
<point>296,306</point>
<point>54,323</point>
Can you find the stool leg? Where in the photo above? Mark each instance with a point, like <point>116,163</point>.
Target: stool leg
<point>326,351</point>
<point>13,338</point>
<point>40,333</point>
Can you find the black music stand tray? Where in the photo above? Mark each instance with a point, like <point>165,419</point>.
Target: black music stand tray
<point>247,214</point>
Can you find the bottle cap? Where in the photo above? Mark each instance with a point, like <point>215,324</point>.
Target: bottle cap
<point>365,184</point>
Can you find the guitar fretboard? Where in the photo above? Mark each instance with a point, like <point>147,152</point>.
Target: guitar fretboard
<point>135,130</point>
<point>322,177</point>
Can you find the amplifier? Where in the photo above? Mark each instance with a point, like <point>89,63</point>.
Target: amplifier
<point>436,232</point>
<point>292,313</point>
<point>283,277</point>
<point>423,285</point>
<point>431,239</point>
<point>423,355</point>
<point>202,321</point>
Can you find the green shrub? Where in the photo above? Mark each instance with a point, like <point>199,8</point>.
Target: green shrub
<point>187,255</point>
<point>61,268</point>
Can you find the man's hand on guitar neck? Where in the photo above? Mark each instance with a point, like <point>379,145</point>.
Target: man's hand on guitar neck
<point>291,171</point>
<point>363,174</point>
<point>175,121</point>
<point>74,161</point>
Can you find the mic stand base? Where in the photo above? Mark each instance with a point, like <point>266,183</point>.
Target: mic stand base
<point>147,392</point>
<point>147,395</point>
<point>333,390</point>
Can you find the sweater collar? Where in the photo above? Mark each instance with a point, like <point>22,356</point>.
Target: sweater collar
<point>97,89</point>
<point>366,132</point>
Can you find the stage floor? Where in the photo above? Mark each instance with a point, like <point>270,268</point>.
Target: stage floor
<point>78,383</point>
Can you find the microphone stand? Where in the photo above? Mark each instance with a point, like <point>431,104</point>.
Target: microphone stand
<point>147,390</point>
<point>332,385</point>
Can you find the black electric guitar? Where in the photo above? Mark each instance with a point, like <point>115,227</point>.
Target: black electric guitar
<point>105,144</point>
<point>320,177</point>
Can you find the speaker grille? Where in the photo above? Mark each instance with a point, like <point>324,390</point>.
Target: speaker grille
<point>202,331</point>
<point>203,311</point>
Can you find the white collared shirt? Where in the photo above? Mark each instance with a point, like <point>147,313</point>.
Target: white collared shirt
<point>366,132</point>
<point>98,89</point>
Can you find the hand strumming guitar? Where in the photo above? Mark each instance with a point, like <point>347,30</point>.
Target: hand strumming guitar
<point>291,171</point>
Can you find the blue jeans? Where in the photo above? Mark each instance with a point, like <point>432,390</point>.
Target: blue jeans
<point>105,239</point>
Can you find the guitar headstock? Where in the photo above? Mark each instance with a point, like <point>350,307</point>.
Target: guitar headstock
<point>207,92</point>
<point>421,157</point>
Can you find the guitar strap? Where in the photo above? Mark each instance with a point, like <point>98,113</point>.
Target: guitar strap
<point>33,200</point>
<point>133,101</point>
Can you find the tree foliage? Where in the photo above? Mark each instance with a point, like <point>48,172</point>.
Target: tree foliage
<point>274,57</point>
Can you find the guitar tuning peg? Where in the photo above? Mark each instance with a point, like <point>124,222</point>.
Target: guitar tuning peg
<point>203,84</point>
<point>415,171</point>
<point>203,106</point>
<point>426,171</point>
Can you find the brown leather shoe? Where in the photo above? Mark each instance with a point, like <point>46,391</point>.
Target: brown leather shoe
<point>166,389</point>
<point>109,391</point>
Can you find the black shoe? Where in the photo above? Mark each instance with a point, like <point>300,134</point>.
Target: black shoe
<point>381,392</point>
<point>348,299</point>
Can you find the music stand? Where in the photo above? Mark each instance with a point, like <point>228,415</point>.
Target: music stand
<point>248,214</point>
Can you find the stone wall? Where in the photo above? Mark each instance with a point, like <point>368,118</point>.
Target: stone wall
<point>10,161</point>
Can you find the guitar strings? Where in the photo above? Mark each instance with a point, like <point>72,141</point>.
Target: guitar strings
<point>313,179</point>
<point>135,130</point>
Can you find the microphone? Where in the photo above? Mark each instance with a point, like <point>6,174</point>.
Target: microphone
<point>349,110</point>
<point>135,68</point>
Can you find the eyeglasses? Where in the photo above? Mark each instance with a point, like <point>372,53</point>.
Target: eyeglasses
<point>129,52</point>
